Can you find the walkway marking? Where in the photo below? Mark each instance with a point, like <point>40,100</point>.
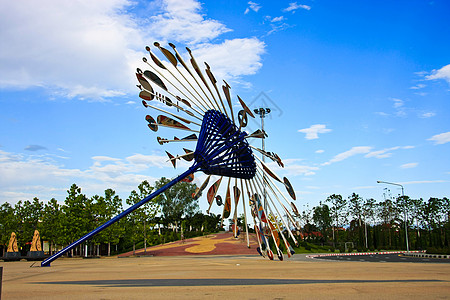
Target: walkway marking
<point>208,245</point>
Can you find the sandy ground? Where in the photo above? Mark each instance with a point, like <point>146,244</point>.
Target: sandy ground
<point>223,277</point>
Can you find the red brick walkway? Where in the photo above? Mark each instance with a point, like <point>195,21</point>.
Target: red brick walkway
<point>214,244</point>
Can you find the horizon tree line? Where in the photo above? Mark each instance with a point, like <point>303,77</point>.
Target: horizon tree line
<point>366,223</point>
<point>371,225</point>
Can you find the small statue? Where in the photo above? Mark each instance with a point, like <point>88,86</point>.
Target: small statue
<point>12,253</point>
<point>12,246</point>
<point>36,243</point>
<point>36,252</point>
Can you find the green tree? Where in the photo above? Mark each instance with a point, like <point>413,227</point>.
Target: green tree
<point>176,202</point>
<point>8,223</point>
<point>322,218</point>
<point>355,209</point>
<point>114,207</point>
<point>387,213</point>
<point>416,214</point>
<point>98,210</point>
<point>211,222</point>
<point>435,213</point>
<point>306,216</point>
<point>368,209</point>
<point>196,221</point>
<point>105,208</point>
<point>19,213</point>
<point>77,217</point>
<point>403,206</point>
<point>51,228</point>
<point>338,213</point>
<point>445,225</point>
<point>30,214</point>
<point>139,220</point>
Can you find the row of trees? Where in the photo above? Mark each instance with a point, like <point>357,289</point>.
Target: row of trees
<point>365,223</point>
<point>61,224</point>
<point>380,225</point>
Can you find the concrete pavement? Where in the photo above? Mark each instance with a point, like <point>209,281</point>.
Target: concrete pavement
<point>227,277</point>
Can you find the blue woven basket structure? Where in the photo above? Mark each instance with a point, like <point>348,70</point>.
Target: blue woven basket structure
<point>222,149</point>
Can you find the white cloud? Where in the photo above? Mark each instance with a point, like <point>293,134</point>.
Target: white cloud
<point>320,151</point>
<point>101,158</point>
<point>409,165</point>
<point>56,46</point>
<point>380,113</point>
<point>300,170</point>
<point>294,6</point>
<point>427,115</point>
<point>253,6</point>
<point>277,26</point>
<point>277,19</point>
<point>35,148</point>
<point>232,58</point>
<point>424,181</point>
<point>442,73</point>
<point>399,106</point>
<point>388,130</point>
<point>379,153</point>
<point>344,155</point>
<point>441,138</point>
<point>418,86</point>
<point>398,102</point>
<point>421,73</point>
<point>148,160</point>
<point>182,21</point>
<point>20,172</point>
<point>90,49</point>
<point>93,92</point>
<point>293,168</point>
<point>27,176</point>
<point>387,152</point>
<point>313,131</point>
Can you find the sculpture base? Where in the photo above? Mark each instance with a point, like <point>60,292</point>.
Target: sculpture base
<point>12,256</point>
<point>35,255</point>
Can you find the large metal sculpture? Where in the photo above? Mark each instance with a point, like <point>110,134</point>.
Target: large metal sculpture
<point>222,148</point>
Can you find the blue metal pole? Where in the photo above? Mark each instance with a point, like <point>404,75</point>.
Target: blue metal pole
<point>46,262</point>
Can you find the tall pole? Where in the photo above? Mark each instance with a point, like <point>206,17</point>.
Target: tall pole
<point>406,221</point>
<point>262,112</point>
<point>47,261</point>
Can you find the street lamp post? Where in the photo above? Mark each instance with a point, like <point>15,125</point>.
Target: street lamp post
<point>406,221</point>
<point>262,112</point>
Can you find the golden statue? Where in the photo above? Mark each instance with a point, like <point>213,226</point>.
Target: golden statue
<point>36,243</point>
<point>12,247</point>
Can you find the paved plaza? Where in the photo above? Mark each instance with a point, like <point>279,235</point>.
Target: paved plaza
<point>244,276</point>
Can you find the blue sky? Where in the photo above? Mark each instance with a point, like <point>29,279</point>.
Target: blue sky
<point>359,91</point>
